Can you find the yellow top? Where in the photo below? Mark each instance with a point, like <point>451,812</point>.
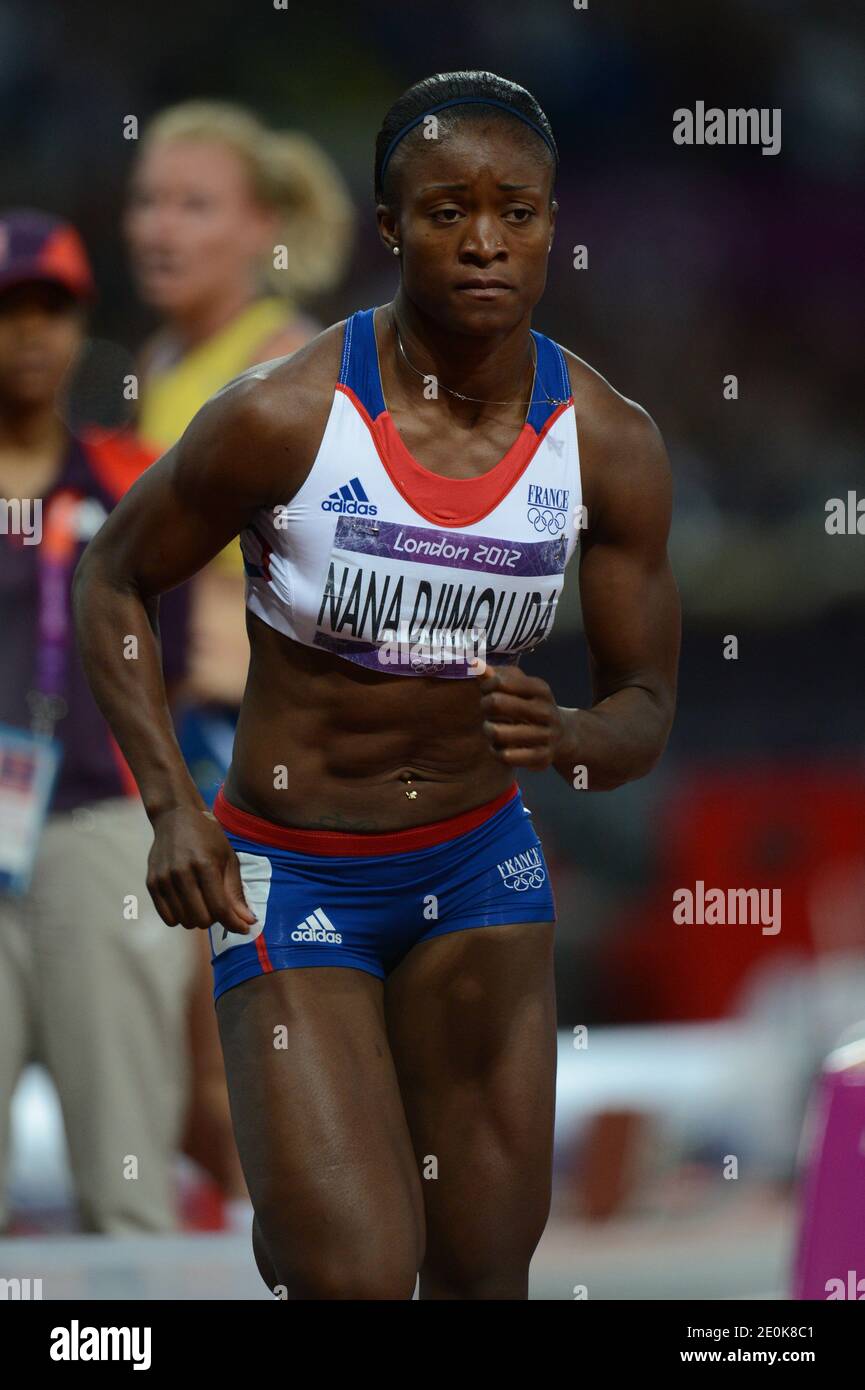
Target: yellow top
<point>170,398</point>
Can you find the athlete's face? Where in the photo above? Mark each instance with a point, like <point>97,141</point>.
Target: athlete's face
<point>194,228</point>
<point>41,331</point>
<point>474,224</point>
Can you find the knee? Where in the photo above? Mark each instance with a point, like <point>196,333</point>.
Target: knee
<point>481,1263</point>
<point>353,1276</point>
<point>352,1270</point>
<point>476,1279</point>
<point>355,1282</point>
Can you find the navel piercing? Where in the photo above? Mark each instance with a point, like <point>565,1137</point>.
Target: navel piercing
<point>412,796</point>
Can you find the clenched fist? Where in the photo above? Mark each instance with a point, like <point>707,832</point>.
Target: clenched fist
<point>522,721</point>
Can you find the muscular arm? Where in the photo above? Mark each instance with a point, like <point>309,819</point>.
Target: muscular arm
<point>178,514</point>
<point>247,448</point>
<point>631,615</point>
<point>631,610</point>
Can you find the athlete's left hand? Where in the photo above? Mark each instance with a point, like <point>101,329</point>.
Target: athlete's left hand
<point>522,721</point>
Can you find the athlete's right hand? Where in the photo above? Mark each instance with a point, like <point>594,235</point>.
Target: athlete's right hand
<point>193,875</point>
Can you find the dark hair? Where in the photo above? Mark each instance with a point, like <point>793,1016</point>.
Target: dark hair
<point>509,101</point>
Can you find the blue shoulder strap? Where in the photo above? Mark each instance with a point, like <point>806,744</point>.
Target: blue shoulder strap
<point>359,369</point>
<point>551,380</point>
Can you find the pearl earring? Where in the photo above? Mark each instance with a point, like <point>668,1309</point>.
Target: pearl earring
<point>396,250</point>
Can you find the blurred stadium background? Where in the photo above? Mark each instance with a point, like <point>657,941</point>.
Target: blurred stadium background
<point>702,1042</point>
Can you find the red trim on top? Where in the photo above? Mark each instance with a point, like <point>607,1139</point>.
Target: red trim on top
<point>449,501</point>
<point>338,842</point>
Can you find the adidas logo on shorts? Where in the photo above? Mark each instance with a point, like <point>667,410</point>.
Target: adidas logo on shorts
<point>349,499</point>
<point>317,927</point>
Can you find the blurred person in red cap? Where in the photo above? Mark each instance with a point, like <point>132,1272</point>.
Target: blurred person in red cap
<point>90,986</point>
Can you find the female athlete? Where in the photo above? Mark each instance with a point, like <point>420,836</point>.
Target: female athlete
<point>408,488</point>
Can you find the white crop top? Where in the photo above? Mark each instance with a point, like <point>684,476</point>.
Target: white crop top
<point>391,566</point>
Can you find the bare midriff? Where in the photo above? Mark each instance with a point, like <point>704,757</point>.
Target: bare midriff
<point>323,743</point>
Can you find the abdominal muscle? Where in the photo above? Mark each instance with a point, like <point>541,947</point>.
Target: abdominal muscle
<point>323,743</point>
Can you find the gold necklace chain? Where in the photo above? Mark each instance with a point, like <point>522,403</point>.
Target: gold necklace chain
<point>545,399</point>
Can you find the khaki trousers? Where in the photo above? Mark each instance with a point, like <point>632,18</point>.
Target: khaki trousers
<point>98,996</point>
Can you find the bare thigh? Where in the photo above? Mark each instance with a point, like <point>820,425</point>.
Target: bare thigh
<point>472,1021</point>
<point>322,1134</point>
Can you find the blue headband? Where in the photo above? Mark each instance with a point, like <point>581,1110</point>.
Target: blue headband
<point>464,101</point>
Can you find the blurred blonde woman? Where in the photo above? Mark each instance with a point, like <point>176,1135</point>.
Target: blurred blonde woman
<point>230,226</point>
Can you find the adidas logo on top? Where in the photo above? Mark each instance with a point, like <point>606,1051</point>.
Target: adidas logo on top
<point>317,927</point>
<point>350,499</point>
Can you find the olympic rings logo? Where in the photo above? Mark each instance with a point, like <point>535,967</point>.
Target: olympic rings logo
<point>546,520</point>
<point>529,878</point>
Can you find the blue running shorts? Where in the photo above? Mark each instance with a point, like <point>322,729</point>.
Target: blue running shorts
<point>363,901</point>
